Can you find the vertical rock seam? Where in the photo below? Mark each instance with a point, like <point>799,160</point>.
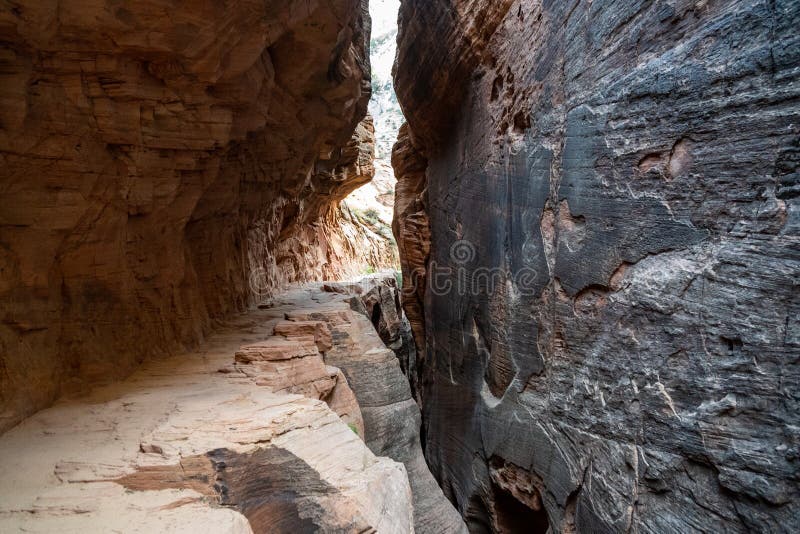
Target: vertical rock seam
<point>374,372</point>
<point>618,349</point>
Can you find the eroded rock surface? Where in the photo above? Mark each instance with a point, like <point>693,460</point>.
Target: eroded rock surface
<point>610,188</point>
<point>374,369</point>
<point>193,443</point>
<point>292,361</point>
<point>411,228</point>
<point>164,165</point>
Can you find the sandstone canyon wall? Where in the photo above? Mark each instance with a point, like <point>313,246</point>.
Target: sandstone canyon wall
<point>163,164</point>
<point>598,221</point>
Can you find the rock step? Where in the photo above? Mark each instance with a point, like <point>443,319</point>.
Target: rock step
<point>194,443</point>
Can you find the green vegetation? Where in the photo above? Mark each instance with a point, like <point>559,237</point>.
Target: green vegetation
<point>377,42</point>
<point>369,216</point>
<point>353,428</point>
<point>372,215</point>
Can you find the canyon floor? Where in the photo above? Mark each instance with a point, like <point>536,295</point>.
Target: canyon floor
<point>238,435</point>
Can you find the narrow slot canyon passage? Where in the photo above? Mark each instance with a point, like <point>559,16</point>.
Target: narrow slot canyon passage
<point>395,266</point>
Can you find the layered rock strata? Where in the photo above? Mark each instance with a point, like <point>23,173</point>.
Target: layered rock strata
<point>411,228</point>
<point>162,166</point>
<point>335,240</point>
<point>292,361</point>
<point>610,191</point>
<point>196,443</point>
<point>373,371</point>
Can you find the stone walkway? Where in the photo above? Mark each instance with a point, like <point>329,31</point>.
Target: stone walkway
<point>223,438</point>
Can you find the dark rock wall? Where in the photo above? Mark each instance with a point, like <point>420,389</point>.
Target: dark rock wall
<point>611,335</point>
<point>154,156</point>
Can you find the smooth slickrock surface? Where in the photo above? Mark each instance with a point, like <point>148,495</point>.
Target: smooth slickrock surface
<point>193,444</point>
<point>163,164</point>
<point>381,298</point>
<point>612,343</point>
<point>375,374</point>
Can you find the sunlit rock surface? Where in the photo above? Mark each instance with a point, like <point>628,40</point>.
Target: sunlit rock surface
<point>209,441</point>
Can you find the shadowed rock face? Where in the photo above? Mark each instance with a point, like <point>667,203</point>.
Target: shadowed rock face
<point>615,341</point>
<point>163,166</point>
<point>411,228</point>
<point>266,486</point>
<point>274,489</point>
<point>374,370</point>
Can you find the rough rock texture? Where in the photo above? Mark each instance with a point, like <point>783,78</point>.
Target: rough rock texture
<point>163,164</point>
<point>610,312</point>
<point>188,444</point>
<point>292,361</point>
<point>344,243</point>
<point>381,298</point>
<point>373,371</point>
<point>411,229</point>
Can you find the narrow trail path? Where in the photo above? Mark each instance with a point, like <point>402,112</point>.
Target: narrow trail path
<point>214,440</point>
<point>294,417</point>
